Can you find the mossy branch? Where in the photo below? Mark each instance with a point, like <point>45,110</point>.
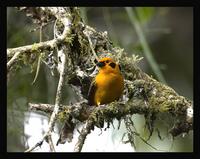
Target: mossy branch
<point>63,59</point>
<point>140,103</point>
<point>142,93</point>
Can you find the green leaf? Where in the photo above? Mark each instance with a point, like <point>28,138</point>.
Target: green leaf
<point>145,13</point>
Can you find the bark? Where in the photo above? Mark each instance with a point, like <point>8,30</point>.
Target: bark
<point>78,46</point>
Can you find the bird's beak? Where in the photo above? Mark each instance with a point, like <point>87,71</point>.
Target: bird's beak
<point>100,64</point>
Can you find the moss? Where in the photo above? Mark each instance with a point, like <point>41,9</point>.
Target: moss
<point>69,39</point>
<point>34,47</point>
<point>75,15</point>
<point>63,115</point>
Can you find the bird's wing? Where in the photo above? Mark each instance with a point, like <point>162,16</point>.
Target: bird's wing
<point>91,92</point>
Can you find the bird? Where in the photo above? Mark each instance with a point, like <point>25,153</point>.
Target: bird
<point>107,86</point>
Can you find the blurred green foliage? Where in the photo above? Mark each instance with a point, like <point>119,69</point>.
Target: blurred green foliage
<point>145,14</point>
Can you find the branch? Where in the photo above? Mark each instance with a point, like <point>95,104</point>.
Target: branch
<point>142,93</point>
<point>40,47</point>
<point>55,110</point>
<point>81,111</point>
<point>51,145</point>
<point>95,116</point>
<point>29,49</point>
<point>84,132</point>
<point>35,146</point>
<point>60,83</point>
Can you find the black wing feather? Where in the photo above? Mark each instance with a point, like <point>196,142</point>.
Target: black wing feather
<point>91,93</point>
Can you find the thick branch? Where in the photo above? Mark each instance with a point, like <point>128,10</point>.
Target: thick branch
<point>81,111</point>
<point>142,95</point>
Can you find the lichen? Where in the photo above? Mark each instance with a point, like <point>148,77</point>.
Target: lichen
<point>35,47</point>
<point>63,115</point>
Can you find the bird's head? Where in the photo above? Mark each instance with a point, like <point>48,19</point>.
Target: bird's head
<point>108,65</point>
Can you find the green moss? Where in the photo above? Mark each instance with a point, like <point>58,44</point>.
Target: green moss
<point>63,115</point>
<point>35,47</point>
<point>69,39</point>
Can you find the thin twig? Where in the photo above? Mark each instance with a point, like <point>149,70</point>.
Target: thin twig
<point>48,45</point>
<point>137,134</point>
<point>39,58</point>
<point>57,104</point>
<point>58,93</point>
<point>36,145</point>
<point>47,108</point>
<point>28,49</point>
<point>147,51</point>
<point>13,59</point>
<point>50,142</point>
<point>90,43</point>
<point>84,132</point>
<point>129,126</point>
<point>134,105</point>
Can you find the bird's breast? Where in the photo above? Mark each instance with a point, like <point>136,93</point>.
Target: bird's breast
<point>109,88</point>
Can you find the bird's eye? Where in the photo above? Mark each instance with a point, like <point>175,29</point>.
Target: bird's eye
<point>100,64</point>
<point>107,61</point>
<point>112,65</point>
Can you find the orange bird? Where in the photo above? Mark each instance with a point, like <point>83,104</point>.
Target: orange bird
<point>108,84</point>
